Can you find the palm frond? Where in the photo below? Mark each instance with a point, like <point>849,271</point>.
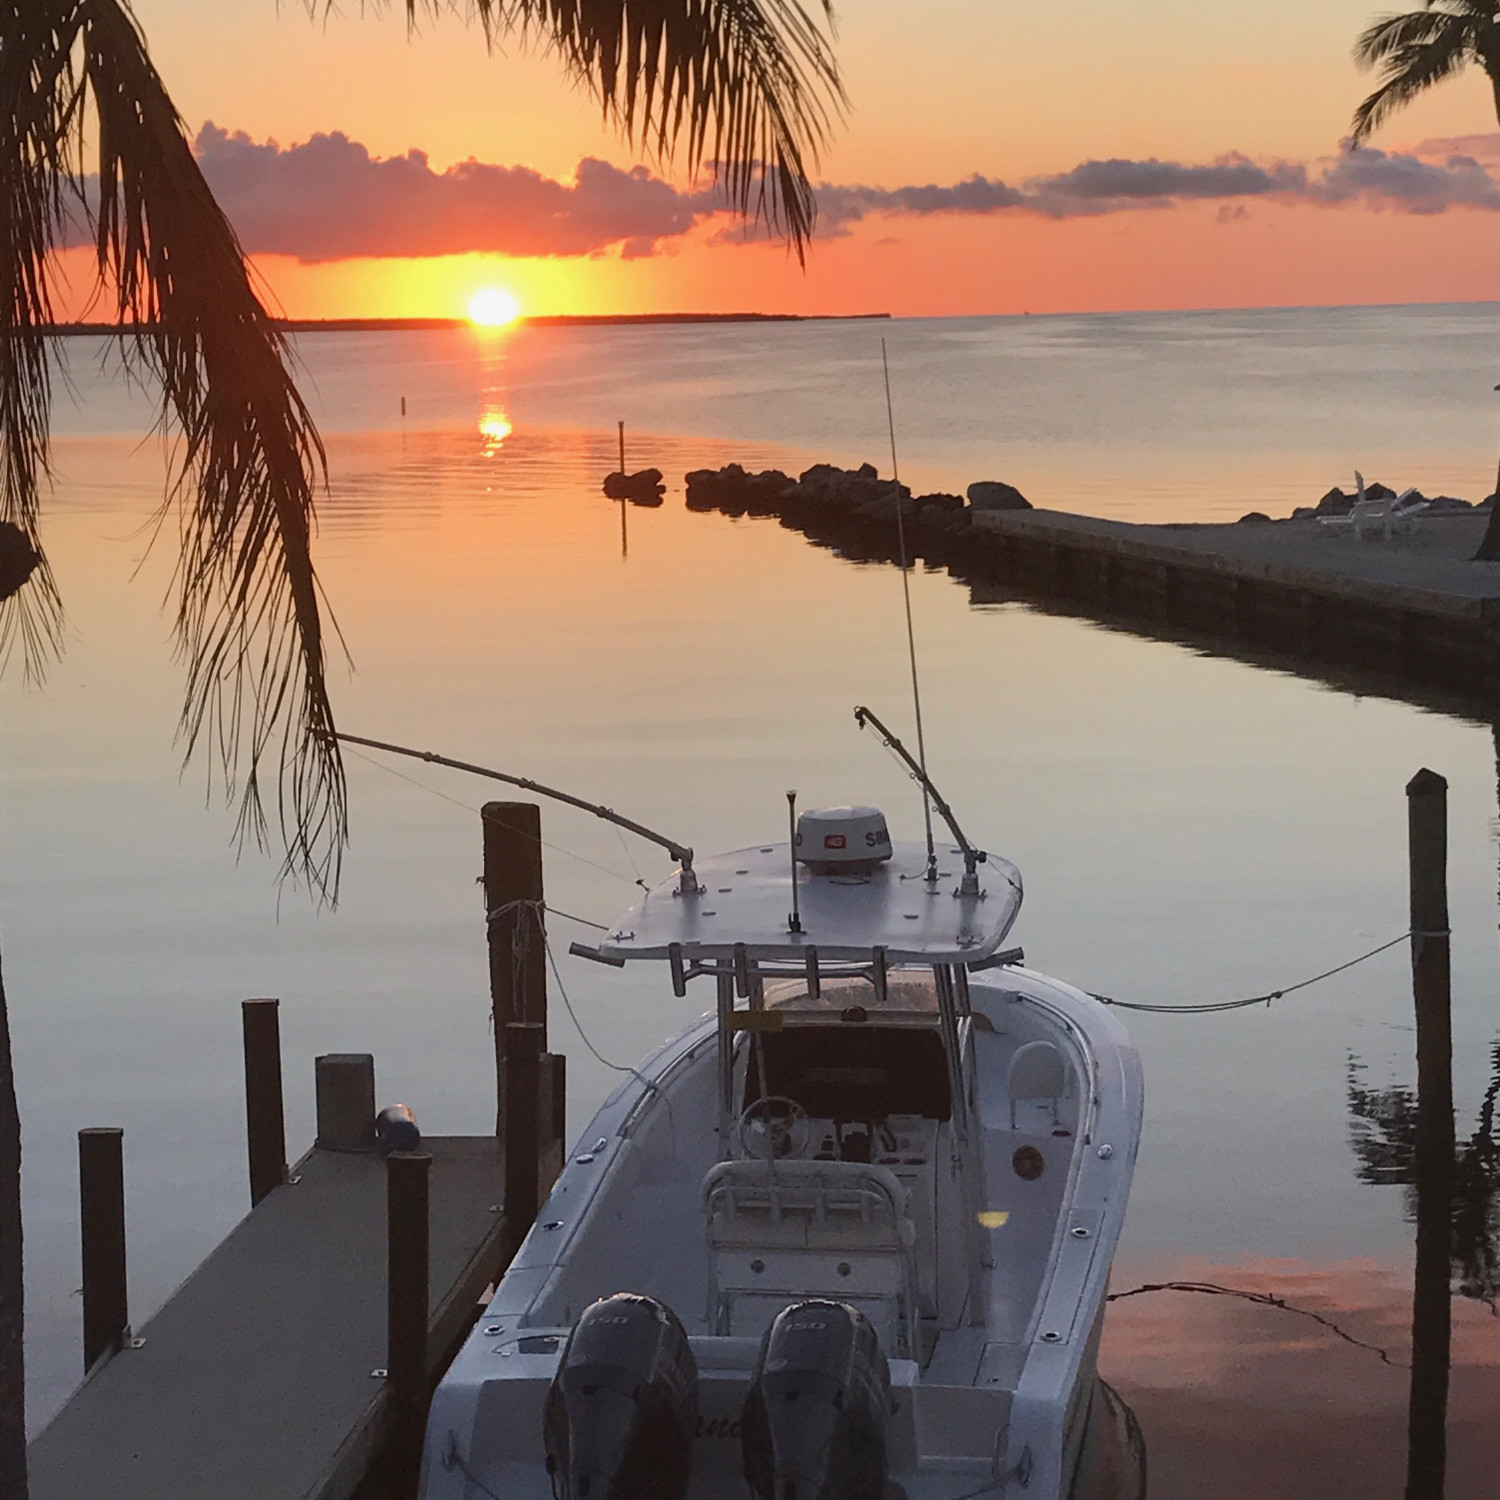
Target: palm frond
<point>749,88</point>
<point>1410,69</point>
<point>248,624</point>
<point>1415,28</point>
<point>39,109</point>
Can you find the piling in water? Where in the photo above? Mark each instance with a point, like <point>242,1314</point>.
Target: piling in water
<point>1427,1414</point>
<point>101,1196</point>
<point>265,1118</point>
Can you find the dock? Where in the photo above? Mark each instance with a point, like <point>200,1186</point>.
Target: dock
<point>264,1376</point>
<point>1415,606</point>
<point>297,1362</point>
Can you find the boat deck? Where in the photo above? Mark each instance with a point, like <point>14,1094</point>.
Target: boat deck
<point>257,1380</point>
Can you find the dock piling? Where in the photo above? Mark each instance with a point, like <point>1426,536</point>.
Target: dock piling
<point>514,919</point>
<point>407,1271</point>
<point>523,1076</point>
<point>101,1194</point>
<point>1427,829</point>
<point>552,1123</point>
<point>346,1101</point>
<point>265,1117</point>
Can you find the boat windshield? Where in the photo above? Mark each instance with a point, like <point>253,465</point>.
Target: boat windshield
<point>907,992</point>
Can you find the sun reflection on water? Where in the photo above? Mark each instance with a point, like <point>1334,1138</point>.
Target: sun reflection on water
<point>494,428</point>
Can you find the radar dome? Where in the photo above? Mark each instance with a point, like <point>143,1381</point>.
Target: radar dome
<point>842,840</point>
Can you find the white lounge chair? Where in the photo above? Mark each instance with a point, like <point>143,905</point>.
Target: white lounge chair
<point>1391,513</point>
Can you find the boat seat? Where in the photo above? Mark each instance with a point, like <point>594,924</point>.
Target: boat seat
<point>780,1231</point>
<point>1036,1082</point>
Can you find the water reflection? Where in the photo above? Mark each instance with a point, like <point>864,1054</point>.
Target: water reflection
<point>494,428</point>
<point>1385,1143</point>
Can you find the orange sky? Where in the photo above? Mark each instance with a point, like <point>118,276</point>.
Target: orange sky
<point>983,86</point>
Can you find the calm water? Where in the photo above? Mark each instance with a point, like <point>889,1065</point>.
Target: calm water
<point>1190,828</point>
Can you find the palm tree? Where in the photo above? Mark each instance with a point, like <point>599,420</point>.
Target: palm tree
<point>747,86</point>
<point>1414,51</point>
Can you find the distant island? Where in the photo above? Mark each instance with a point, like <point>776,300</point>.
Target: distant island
<point>549,320</point>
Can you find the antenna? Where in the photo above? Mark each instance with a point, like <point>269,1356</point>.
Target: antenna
<point>911,639</point>
<point>794,921</point>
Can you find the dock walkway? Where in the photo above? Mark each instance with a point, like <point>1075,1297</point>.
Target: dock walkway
<point>1428,571</point>
<point>260,1379</point>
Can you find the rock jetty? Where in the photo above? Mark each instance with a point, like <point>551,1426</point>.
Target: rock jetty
<point>644,487</point>
<point>854,510</point>
<point>1337,502</point>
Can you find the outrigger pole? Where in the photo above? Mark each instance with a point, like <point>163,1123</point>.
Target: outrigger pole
<point>688,886</point>
<point>973,857</point>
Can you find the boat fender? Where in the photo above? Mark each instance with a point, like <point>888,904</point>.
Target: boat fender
<point>815,1417</point>
<point>396,1129</point>
<point>623,1407</point>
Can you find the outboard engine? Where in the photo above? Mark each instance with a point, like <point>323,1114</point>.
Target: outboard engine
<point>814,1424</point>
<point>623,1407</point>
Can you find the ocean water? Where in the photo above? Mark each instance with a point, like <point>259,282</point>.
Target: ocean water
<point>1190,827</point>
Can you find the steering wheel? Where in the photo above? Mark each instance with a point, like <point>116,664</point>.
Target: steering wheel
<point>773,1128</point>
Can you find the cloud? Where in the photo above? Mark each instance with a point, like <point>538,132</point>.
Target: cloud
<point>1402,181</point>
<point>328,199</point>
<point>1484,148</point>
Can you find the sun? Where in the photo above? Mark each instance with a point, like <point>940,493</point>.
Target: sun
<point>493,307</point>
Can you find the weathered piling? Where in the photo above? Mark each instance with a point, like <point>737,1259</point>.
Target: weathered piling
<point>101,1195</point>
<point>522,1124</point>
<point>514,921</point>
<point>345,1086</point>
<point>1427,829</point>
<point>408,1174</point>
<point>265,1116</point>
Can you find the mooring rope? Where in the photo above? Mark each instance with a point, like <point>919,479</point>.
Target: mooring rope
<point>1214,1007</point>
<point>1260,1299</point>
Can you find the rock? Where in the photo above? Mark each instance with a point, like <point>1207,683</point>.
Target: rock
<point>1379,492</point>
<point>1304,513</point>
<point>992,494</point>
<point>644,486</point>
<point>1439,504</point>
<point>1334,503</point>
<point>1254,515</point>
<point>1488,503</point>
<point>941,502</point>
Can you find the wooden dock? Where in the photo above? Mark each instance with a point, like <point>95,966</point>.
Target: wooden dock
<point>296,1363</point>
<point>262,1378</point>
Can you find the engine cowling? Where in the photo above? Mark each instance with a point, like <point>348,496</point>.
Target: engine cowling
<point>622,1409</point>
<point>815,1417</point>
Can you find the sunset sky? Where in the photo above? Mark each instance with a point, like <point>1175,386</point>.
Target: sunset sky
<point>1161,154</point>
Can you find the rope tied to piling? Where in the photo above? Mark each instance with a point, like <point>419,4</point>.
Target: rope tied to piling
<point>1216,1007</point>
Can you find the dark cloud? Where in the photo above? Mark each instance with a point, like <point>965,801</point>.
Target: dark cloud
<point>1121,181</point>
<point>328,199</point>
<point>1401,181</point>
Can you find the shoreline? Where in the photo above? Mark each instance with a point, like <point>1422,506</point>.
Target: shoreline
<point>546,320</point>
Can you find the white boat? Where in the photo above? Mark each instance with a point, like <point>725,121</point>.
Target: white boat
<point>863,1211</point>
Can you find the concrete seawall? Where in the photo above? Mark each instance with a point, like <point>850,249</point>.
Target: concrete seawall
<point>1413,609</point>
